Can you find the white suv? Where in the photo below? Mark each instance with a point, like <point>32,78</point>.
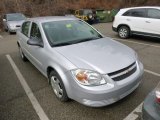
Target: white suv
<point>139,21</point>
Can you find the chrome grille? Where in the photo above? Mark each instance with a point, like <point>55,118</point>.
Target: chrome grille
<point>123,73</point>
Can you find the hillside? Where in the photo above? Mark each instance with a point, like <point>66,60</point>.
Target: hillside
<point>60,7</point>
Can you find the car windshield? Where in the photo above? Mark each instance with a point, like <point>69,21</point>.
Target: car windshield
<point>15,17</point>
<point>60,33</point>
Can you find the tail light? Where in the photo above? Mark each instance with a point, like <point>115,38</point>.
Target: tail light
<point>158,96</point>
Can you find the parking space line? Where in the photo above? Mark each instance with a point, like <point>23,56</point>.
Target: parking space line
<point>135,113</point>
<point>40,112</point>
<point>156,46</point>
<point>151,72</point>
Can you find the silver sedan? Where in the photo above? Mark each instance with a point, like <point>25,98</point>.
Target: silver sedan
<point>13,21</point>
<point>79,62</point>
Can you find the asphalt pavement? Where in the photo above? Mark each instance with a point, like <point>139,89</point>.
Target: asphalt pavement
<point>15,104</point>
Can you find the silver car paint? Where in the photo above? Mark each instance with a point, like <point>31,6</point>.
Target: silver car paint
<point>14,24</point>
<point>96,55</point>
<point>103,55</point>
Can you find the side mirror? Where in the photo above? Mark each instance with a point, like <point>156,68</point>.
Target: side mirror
<point>35,42</point>
<point>4,20</point>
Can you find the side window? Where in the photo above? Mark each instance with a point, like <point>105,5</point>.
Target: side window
<point>127,13</point>
<point>154,13</point>
<point>35,32</point>
<point>25,28</point>
<point>138,13</point>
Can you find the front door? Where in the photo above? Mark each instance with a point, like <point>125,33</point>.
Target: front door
<point>37,53</point>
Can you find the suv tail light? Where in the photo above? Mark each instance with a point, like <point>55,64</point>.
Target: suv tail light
<point>158,96</point>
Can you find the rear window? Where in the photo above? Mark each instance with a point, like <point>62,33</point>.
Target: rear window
<point>15,17</point>
<point>135,13</point>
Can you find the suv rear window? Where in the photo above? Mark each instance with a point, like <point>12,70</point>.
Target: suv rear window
<point>135,13</point>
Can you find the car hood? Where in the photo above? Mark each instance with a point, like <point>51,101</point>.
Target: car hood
<point>14,23</point>
<point>102,55</point>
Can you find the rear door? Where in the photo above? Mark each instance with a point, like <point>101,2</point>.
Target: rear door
<point>24,37</point>
<point>136,19</point>
<point>38,54</point>
<point>153,21</point>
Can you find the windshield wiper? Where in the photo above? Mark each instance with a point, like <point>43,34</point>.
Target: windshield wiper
<point>75,42</point>
<point>86,39</point>
<point>61,44</point>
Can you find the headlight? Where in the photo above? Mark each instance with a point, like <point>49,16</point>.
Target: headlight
<point>90,16</point>
<point>88,77</point>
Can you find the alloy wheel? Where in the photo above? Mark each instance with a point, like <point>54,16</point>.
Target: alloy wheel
<point>56,86</point>
<point>123,33</point>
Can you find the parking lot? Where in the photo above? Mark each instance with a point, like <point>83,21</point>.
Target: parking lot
<point>15,104</point>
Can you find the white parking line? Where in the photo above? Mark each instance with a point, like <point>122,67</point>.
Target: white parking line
<point>156,46</point>
<point>40,112</point>
<point>135,113</point>
<point>151,72</point>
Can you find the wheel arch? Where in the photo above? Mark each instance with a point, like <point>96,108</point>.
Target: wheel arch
<point>58,70</point>
<point>61,74</point>
<point>49,69</point>
<point>124,25</point>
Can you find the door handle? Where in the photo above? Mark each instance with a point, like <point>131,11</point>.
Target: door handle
<point>128,19</point>
<point>148,22</point>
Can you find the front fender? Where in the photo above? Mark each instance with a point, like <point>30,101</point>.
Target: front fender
<point>61,65</point>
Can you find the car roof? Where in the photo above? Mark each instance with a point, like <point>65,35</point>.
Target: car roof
<point>157,7</point>
<point>51,18</point>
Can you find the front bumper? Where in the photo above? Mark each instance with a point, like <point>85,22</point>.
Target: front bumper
<point>151,110</point>
<point>98,96</point>
<point>13,29</point>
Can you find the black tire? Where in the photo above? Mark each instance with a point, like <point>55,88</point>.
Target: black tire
<point>61,95</point>
<point>23,57</point>
<point>124,32</point>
